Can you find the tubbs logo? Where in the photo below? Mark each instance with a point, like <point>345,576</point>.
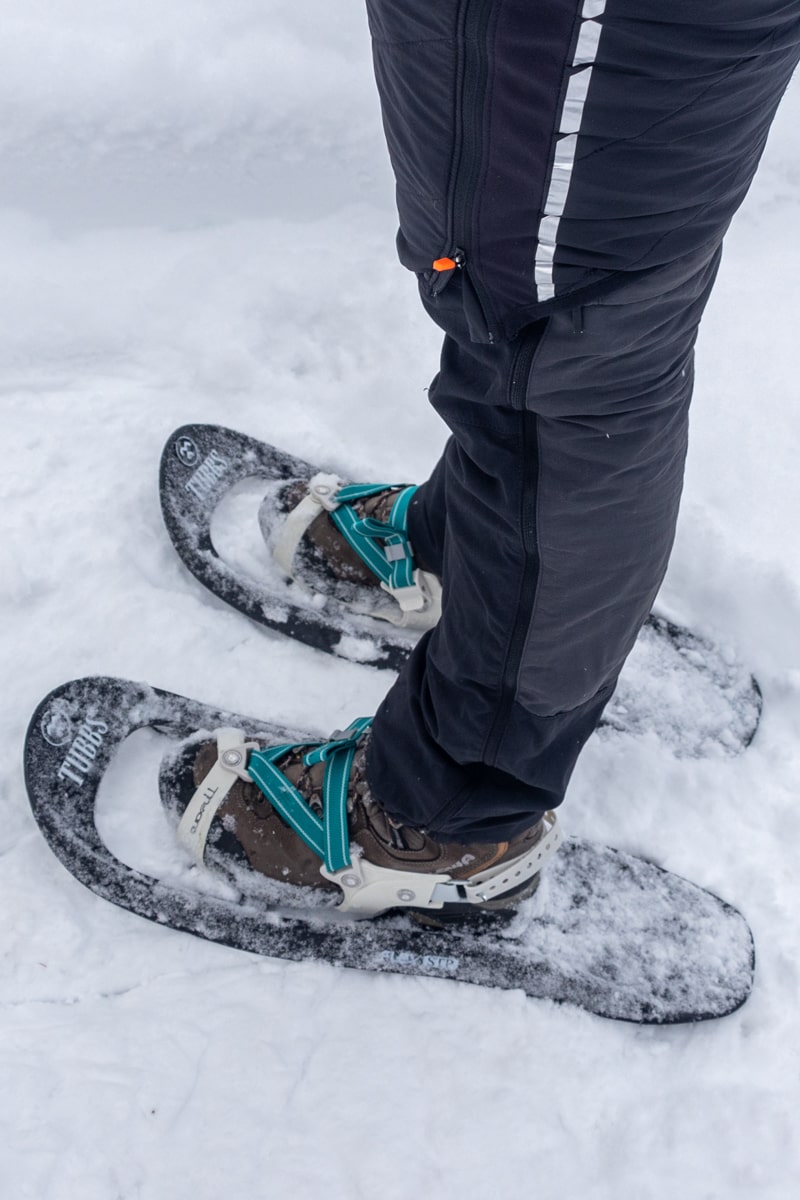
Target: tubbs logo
<point>205,477</point>
<point>56,726</point>
<point>83,751</point>
<point>186,451</point>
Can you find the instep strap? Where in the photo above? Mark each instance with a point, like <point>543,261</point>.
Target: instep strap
<point>383,546</point>
<point>327,836</point>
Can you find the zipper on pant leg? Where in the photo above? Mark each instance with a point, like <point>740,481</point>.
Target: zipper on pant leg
<point>472,78</point>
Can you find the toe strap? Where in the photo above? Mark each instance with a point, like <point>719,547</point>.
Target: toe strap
<point>231,765</point>
<point>320,495</point>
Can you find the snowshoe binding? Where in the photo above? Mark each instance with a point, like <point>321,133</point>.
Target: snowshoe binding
<point>303,815</point>
<point>351,542</point>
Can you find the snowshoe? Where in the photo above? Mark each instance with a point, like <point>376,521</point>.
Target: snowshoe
<point>226,498</point>
<point>605,931</point>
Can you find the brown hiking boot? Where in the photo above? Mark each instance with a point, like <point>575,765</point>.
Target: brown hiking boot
<point>308,543</point>
<point>226,819</point>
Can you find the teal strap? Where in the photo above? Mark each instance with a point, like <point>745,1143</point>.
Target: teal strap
<point>383,546</point>
<point>327,837</point>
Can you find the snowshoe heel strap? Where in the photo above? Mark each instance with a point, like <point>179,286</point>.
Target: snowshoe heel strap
<point>369,889</point>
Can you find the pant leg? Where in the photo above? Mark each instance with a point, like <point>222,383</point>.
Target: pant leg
<point>586,156</point>
<point>560,489</point>
<point>559,145</point>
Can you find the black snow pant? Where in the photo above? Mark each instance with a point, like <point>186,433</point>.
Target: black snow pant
<point>564,211</point>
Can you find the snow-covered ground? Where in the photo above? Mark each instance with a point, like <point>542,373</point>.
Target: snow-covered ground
<point>196,223</point>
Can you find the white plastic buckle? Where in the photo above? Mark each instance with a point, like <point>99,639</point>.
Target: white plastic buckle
<point>322,489</point>
<point>232,750</point>
<point>420,604</point>
<point>368,889</point>
<point>410,599</point>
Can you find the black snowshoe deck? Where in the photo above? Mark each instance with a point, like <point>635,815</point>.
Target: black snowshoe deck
<point>606,931</point>
<point>693,696</point>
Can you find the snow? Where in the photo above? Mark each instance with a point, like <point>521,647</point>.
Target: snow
<point>196,224</point>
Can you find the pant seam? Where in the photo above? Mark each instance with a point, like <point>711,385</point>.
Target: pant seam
<point>531,572</point>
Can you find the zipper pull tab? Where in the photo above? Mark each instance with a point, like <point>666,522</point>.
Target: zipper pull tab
<point>444,268</point>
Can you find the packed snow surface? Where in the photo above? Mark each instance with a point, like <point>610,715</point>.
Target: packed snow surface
<point>196,224</point>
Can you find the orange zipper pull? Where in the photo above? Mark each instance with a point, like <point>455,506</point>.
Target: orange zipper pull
<point>444,268</point>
